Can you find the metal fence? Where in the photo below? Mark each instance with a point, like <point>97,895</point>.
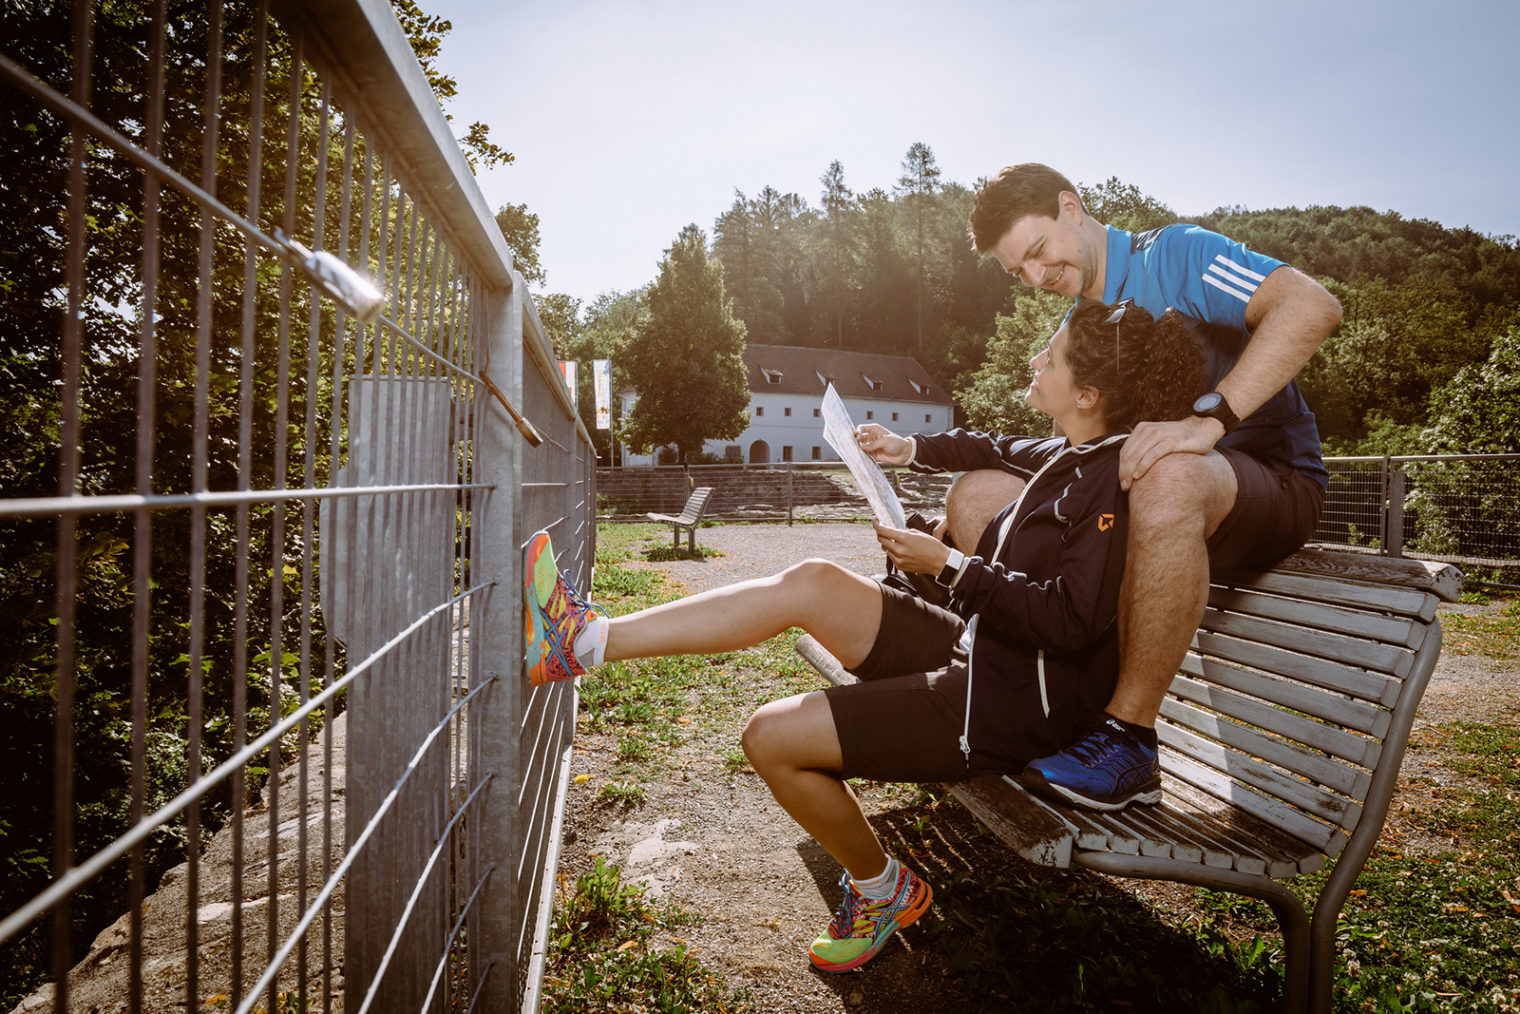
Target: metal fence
<point>260,535</point>
<point>1462,509</point>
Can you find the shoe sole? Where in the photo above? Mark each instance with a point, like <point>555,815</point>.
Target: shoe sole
<point>1147,795</point>
<point>905,918</point>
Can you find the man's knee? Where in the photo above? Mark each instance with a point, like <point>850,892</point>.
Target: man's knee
<point>974,499</point>
<point>1183,489</point>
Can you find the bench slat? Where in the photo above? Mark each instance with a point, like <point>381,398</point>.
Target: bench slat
<point>1343,778</point>
<point>1368,686</point>
<point>1416,604</point>
<point>1036,832</point>
<point>1266,809</point>
<point>1388,629</point>
<point>1427,575</point>
<point>1260,700</point>
<point>1302,795</point>
<point>1353,651</point>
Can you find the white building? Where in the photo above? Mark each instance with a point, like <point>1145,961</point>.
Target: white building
<point>786,392</point>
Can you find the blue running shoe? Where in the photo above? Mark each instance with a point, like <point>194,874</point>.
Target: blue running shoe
<point>1107,769</point>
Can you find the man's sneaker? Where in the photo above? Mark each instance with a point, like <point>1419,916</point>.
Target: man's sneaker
<point>554,614</point>
<point>861,927</point>
<point>1107,769</point>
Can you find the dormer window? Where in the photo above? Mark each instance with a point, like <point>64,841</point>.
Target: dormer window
<point>875,385</point>
<point>771,376</point>
<point>922,389</point>
<point>822,379</point>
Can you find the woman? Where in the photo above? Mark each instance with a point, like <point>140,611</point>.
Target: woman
<point>1026,650</point>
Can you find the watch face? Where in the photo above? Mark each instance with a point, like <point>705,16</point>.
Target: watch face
<point>1207,403</point>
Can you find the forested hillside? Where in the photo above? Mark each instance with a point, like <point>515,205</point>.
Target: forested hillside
<point>893,272</point>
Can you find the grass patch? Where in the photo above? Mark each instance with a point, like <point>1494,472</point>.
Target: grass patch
<point>664,553</point>
<point>611,951</point>
<point>1493,634</point>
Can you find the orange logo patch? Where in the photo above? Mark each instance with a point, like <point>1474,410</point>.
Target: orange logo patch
<point>1105,522</point>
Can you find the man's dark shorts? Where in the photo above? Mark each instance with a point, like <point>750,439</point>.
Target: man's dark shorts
<point>903,721</point>
<point>1276,509</point>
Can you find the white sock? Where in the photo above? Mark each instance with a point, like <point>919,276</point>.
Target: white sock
<point>591,645</point>
<point>883,885</point>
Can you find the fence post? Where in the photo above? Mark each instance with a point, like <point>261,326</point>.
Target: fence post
<point>1393,545</point>
<point>790,497</point>
<point>494,930</point>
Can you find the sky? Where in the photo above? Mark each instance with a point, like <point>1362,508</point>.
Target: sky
<point>630,120</point>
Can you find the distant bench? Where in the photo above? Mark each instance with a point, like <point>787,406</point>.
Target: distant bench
<point>1281,740</point>
<point>689,518</point>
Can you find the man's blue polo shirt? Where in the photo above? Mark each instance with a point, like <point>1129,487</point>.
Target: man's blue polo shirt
<point>1209,279</point>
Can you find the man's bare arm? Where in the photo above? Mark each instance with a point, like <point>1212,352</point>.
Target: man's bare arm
<point>1290,316</point>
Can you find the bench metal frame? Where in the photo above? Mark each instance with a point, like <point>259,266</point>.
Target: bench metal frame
<point>1281,738</point>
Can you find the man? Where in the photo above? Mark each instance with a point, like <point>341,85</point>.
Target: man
<point>1237,484</point>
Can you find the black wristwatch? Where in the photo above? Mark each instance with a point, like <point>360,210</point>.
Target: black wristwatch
<point>1213,406</point>
<point>951,568</point>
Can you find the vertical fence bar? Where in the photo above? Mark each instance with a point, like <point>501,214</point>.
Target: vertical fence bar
<point>496,633</point>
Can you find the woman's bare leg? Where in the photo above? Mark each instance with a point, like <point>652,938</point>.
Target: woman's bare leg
<point>840,608</point>
<point>794,746</point>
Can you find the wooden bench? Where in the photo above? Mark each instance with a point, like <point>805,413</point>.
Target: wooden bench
<point>1281,740</point>
<point>689,518</point>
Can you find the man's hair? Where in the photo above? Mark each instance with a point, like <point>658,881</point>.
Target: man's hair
<point>1146,370</point>
<point>1028,188</point>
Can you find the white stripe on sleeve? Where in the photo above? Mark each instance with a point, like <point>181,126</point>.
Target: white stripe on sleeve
<point>1244,297</point>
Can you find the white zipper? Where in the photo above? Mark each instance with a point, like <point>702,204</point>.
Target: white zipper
<point>970,654</point>
<point>1003,533</point>
<point>1039,665</point>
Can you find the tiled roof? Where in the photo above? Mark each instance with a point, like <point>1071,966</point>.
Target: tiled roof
<point>790,369</point>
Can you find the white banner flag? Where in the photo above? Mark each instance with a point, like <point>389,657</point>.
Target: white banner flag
<point>601,379</point>
<point>567,369</point>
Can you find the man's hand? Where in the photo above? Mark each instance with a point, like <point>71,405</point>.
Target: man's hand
<point>912,552</point>
<point>883,445</point>
<point>1152,441</point>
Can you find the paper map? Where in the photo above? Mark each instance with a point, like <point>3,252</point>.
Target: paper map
<point>839,431</point>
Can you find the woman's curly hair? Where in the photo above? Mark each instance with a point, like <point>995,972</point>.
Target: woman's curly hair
<point>1147,370</point>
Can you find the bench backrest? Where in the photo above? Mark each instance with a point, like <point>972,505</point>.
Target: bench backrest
<point>696,505</point>
<point>1297,697</point>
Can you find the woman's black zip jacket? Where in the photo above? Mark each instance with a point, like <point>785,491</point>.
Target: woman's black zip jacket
<point>1043,588</point>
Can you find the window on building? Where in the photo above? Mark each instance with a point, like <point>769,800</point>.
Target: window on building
<point>771,376</point>
<point>817,412</point>
<point>786,452</point>
<point>787,410</point>
<point>894,416</point>
<point>759,409</point>
<point>872,382</point>
<point>926,417</point>
<point>922,389</point>
<point>870,415</point>
<point>817,453</point>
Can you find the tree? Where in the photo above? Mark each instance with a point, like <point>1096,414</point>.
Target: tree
<point>1124,206</point>
<point>686,358</point>
<point>995,399</point>
<point>425,32</point>
<point>919,182</point>
<point>519,227</point>
<point>838,208</point>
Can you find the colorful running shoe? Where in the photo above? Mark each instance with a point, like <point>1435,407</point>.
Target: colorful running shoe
<point>554,614</point>
<point>1107,769</point>
<point>861,926</point>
